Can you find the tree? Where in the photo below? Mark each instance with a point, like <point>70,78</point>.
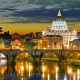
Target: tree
<point>1,30</point>
<point>29,45</point>
<point>1,41</point>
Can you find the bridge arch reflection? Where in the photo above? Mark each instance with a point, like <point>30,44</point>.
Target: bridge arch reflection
<point>3,59</point>
<point>23,64</point>
<point>49,56</point>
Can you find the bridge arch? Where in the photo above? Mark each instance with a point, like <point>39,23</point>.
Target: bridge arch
<point>23,55</point>
<point>73,56</point>
<point>51,56</point>
<point>49,62</point>
<point>23,62</point>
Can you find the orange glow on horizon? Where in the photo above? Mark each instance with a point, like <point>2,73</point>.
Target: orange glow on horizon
<point>22,28</point>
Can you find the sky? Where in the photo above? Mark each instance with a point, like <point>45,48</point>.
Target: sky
<point>24,16</point>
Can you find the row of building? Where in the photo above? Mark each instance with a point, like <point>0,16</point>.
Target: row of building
<point>56,36</point>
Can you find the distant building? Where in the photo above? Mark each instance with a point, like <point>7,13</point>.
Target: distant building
<point>75,44</point>
<point>38,35</point>
<point>16,44</point>
<point>15,35</point>
<point>78,35</point>
<point>59,34</point>
<point>7,39</point>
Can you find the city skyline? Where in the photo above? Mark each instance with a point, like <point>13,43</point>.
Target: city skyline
<point>34,16</point>
<point>39,39</point>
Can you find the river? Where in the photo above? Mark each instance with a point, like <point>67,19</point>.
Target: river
<point>48,69</point>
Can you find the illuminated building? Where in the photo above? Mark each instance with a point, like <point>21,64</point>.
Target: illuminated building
<point>16,44</point>
<point>58,28</point>
<point>75,44</point>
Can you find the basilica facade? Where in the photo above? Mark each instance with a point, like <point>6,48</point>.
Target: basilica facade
<point>58,35</point>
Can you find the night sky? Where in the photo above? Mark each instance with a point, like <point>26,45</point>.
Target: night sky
<point>23,15</point>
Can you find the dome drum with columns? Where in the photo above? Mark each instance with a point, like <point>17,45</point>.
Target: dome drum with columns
<point>59,27</point>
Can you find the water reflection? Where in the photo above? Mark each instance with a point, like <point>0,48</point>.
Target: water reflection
<point>74,76</point>
<point>78,74</point>
<point>57,73</point>
<point>49,71</point>
<point>24,69</point>
<point>2,72</point>
<point>44,70</point>
<point>65,77</point>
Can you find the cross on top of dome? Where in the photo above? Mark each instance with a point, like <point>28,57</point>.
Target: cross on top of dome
<point>59,13</point>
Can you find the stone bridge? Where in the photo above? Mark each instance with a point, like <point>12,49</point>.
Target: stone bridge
<point>36,54</point>
<point>11,54</point>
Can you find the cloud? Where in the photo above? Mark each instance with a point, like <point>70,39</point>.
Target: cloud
<point>38,8</point>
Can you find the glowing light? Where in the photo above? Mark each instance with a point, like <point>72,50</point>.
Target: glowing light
<point>22,68</point>
<point>16,44</point>
<point>30,69</point>
<point>19,72</point>
<point>48,46</point>
<point>74,46</point>
<point>78,73</point>
<point>2,71</point>
<point>44,68</point>
<point>67,46</point>
<point>56,76</point>
<point>74,76</point>
<point>43,75</point>
<point>22,49</point>
<point>44,48</point>
<point>65,77</point>
<point>57,69</point>
<point>57,73</point>
<point>39,44</point>
<point>22,78</point>
<point>26,65</point>
<point>48,76</point>
<point>17,47</point>
<point>69,70</point>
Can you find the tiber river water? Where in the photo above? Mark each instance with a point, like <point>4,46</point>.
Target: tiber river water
<point>48,70</point>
